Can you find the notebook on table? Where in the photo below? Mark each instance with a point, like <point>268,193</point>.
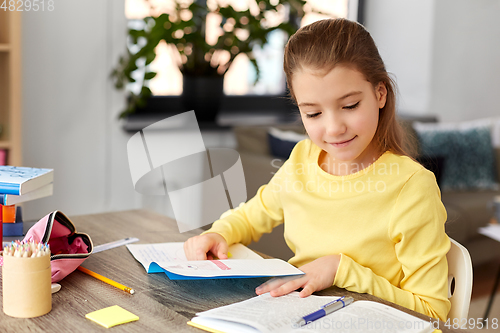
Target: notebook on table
<point>267,314</point>
<point>169,258</point>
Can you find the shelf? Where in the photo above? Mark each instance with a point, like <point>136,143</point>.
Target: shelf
<point>10,85</point>
<point>5,145</point>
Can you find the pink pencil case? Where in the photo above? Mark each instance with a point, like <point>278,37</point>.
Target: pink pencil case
<point>68,248</point>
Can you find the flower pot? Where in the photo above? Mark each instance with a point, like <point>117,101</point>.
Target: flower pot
<point>203,94</point>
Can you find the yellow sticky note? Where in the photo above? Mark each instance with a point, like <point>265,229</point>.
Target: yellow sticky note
<point>111,316</point>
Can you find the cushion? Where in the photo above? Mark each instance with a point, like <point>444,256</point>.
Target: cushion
<point>434,164</point>
<point>410,139</point>
<point>469,158</point>
<point>497,155</point>
<point>281,142</point>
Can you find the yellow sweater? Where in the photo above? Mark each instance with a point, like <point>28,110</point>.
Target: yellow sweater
<point>386,221</point>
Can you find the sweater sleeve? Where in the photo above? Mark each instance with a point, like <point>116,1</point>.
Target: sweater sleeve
<point>420,243</point>
<point>257,216</point>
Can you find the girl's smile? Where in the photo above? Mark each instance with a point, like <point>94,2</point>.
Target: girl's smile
<point>342,143</point>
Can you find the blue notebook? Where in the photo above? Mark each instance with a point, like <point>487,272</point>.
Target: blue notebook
<point>21,180</point>
<point>12,199</point>
<point>169,258</point>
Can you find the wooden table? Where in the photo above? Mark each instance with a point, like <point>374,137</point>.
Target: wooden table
<point>161,304</point>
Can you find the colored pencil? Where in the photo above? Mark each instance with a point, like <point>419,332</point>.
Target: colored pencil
<point>106,280</point>
<point>28,249</point>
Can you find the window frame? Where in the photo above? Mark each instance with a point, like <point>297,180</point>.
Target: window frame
<point>279,106</point>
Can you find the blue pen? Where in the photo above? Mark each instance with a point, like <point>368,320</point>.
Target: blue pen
<point>325,309</point>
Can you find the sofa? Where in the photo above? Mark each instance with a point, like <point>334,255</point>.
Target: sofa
<point>467,209</point>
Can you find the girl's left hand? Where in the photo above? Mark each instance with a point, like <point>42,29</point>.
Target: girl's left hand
<point>320,274</point>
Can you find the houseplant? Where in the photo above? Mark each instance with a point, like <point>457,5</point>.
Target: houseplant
<point>184,27</point>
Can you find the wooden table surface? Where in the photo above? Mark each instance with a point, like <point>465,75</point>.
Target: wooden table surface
<point>161,304</point>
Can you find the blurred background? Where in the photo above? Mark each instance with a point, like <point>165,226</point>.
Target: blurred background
<point>443,54</point>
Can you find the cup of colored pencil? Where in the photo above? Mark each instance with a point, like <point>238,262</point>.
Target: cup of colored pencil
<point>26,279</point>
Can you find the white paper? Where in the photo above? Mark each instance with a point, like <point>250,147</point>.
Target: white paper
<point>232,268</point>
<point>492,231</point>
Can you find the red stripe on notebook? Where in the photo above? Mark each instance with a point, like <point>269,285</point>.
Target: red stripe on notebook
<point>221,265</point>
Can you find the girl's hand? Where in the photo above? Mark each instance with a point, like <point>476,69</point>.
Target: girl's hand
<point>206,247</point>
<point>320,274</point>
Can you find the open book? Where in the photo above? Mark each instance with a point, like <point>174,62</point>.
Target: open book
<point>267,314</point>
<point>169,258</point>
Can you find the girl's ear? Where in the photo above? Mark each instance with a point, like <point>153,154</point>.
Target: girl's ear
<point>381,93</point>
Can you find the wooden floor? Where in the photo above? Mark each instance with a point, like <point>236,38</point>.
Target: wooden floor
<point>484,278</point>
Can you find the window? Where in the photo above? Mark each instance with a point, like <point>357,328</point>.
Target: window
<point>240,77</point>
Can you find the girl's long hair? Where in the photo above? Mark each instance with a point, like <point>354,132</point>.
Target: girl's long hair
<point>326,43</point>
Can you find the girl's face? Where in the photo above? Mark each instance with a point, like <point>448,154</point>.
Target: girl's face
<point>340,113</point>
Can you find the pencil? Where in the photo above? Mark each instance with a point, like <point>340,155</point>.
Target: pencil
<point>106,280</point>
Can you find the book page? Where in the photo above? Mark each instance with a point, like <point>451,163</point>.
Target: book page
<point>227,268</point>
<point>174,252</point>
<point>278,314</point>
<point>216,325</point>
<point>170,259</point>
<point>367,316</point>
<point>270,314</point>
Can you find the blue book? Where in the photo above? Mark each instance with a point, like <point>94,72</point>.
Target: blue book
<point>13,229</point>
<point>169,258</point>
<point>42,192</point>
<point>21,180</point>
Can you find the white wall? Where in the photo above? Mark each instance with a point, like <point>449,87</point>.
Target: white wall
<point>445,54</point>
<point>466,54</point>
<point>70,110</point>
<point>70,107</point>
<point>403,32</point>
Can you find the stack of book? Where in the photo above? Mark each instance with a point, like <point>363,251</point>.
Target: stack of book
<point>17,185</point>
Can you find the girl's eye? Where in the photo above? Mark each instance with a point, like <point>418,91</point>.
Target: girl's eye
<point>351,107</point>
<point>312,115</point>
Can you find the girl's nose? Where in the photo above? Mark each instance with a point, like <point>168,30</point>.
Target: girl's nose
<point>335,126</point>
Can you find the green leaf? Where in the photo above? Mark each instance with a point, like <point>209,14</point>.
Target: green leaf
<point>149,75</point>
<point>257,69</point>
<point>141,102</point>
<point>136,33</point>
<point>150,57</point>
<point>146,92</point>
<point>160,27</point>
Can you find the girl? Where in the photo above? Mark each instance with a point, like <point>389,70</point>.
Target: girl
<point>359,213</point>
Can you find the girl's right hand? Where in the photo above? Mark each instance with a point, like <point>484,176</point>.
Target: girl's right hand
<point>206,246</point>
